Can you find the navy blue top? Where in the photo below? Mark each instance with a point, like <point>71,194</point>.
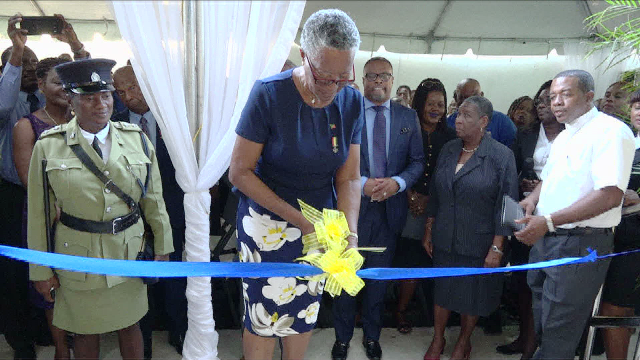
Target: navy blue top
<point>500,127</point>
<point>298,158</point>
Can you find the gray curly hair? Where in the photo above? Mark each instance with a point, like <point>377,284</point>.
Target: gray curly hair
<point>329,28</point>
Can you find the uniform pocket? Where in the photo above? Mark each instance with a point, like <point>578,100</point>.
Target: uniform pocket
<point>60,172</point>
<point>137,165</point>
<point>71,243</point>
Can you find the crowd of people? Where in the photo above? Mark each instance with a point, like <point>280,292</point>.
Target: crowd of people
<point>84,171</point>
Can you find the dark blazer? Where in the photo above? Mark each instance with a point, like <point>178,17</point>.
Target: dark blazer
<point>467,205</point>
<point>523,148</point>
<point>171,191</point>
<point>405,159</point>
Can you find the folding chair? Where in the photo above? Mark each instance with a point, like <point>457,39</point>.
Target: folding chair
<point>597,321</point>
<point>229,228</point>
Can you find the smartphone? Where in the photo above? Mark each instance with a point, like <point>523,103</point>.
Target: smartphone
<point>38,25</point>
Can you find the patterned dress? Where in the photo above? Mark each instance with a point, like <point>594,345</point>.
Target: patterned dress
<point>303,149</point>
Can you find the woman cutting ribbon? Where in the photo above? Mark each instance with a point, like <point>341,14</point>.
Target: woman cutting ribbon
<point>298,138</point>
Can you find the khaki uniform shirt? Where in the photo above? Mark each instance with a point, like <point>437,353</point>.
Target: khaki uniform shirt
<point>78,192</point>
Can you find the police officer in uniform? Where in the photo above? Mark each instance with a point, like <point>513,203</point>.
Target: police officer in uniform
<point>100,209</point>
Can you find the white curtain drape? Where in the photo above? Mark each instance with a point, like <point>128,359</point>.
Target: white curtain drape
<point>597,64</point>
<point>242,41</point>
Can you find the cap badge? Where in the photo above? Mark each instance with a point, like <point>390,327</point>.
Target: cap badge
<point>95,77</point>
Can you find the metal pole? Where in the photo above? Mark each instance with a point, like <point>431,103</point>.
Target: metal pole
<point>199,80</point>
<point>190,71</point>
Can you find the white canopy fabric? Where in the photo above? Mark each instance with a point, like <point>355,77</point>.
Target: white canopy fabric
<point>241,41</point>
<point>415,27</point>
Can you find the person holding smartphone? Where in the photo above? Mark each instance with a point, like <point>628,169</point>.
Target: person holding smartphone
<point>19,96</point>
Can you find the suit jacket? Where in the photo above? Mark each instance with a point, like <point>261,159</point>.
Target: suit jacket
<point>171,191</point>
<point>467,205</point>
<point>405,159</point>
<point>523,148</point>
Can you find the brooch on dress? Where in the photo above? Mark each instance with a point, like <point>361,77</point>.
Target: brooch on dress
<point>334,138</point>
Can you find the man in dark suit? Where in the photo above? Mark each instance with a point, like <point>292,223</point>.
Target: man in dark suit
<point>138,113</point>
<point>391,161</point>
<point>501,127</point>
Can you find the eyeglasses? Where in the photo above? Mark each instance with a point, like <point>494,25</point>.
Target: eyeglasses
<point>327,82</point>
<point>373,76</point>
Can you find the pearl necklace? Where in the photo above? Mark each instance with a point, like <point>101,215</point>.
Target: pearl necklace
<point>50,117</point>
<point>470,151</point>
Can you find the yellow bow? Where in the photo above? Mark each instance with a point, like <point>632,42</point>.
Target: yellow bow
<point>330,238</point>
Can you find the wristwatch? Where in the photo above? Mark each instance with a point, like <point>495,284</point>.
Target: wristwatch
<point>494,248</point>
<point>550,226</point>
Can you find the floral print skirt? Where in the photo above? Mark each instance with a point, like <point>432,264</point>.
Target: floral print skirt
<point>275,306</point>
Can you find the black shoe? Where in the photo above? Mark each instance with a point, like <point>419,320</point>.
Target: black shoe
<point>177,341</point>
<point>372,347</point>
<point>28,353</point>
<point>509,349</point>
<point>339,351</point>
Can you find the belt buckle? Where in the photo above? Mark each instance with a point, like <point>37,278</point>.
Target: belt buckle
<point>115,221</point>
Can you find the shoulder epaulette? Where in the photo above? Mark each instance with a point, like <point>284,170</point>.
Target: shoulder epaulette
<point>125,126</point>
<point>58,129</point>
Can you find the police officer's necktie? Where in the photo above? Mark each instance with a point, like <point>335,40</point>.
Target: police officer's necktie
<point>34,103</point>
<point>95,146</point>
<point>144,125</point>
<point>379,143</point>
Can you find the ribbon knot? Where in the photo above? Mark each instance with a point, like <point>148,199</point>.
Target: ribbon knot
<point>325,249</point>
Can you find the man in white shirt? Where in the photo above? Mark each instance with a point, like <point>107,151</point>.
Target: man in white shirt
<point>576,206</point>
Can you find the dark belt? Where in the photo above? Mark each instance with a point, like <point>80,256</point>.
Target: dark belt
<point>101,227</point>
<point>580,231</point>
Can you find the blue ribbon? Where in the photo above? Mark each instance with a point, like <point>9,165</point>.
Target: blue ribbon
<point>132,268</point>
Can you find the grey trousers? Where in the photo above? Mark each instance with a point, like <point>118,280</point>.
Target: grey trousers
<point>563,296</point>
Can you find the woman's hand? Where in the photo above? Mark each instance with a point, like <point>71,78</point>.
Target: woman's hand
<point>307,228</point>
<point>528,205</point>
<point>630,198</point>
<point>426,242</point>
<point>45,287</point>
<point>493,259</point>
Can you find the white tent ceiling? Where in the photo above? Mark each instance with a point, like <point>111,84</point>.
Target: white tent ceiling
<point>452,26</point>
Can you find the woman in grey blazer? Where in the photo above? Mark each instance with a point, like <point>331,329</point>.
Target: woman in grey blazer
<point>463,227</point>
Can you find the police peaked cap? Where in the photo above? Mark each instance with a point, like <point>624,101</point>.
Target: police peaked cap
<point>86,76</point>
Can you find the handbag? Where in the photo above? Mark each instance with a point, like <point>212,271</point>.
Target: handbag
<point>146,253</point>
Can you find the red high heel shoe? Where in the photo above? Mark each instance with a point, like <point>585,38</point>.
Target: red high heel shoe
<point>444,343</point>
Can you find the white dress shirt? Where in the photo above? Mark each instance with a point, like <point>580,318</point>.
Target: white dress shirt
<point>593,152</point>
<point>541,153</point>
<point>637,141</point>
<point>104,141</point>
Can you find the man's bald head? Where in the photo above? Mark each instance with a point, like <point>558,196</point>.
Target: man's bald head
<point>29,83</point>
<point>125,72</point>
<point>467,88</point>
<point>127,88</point>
